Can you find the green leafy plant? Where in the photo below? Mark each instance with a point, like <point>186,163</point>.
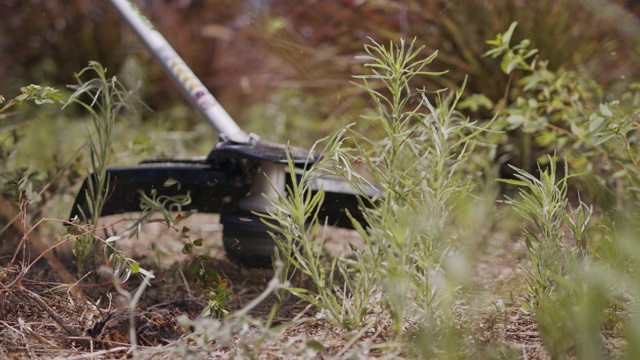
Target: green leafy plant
<point>513,57</point>
<point>563,112</point>
<point>200,270</point>
<point>121,265</point>
<point>170,207</point>
<point>575,284</point>
<point>203,274</point>
<point>20,182</point>
<point>298,237</point>
<point>36,93</point>
<point>213,287</point>
<point>104,98</point>
<point>22,185</point>
<point>544,205</point>
<point>417,165</point>
<point>616,140</point>
<point>211,333</point>
<point>132,300</point>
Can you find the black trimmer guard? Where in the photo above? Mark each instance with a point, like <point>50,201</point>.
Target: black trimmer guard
<point>217,184</point>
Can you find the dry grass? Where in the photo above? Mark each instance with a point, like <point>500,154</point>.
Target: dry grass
<point>42,318</point>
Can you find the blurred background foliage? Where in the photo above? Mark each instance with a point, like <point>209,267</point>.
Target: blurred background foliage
<point>282,68</point>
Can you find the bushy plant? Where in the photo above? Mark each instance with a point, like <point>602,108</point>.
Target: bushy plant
<point>544,205</point>
<point>564,113</point>
<point>577,274</point>
<point>22,185</point>
<point>39,95</point>
<point>418,168</point>
<point>579,278</point>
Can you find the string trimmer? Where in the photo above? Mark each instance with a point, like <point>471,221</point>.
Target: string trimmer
<point>232,180</point>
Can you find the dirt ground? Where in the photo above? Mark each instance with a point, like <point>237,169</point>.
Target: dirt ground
<point>43,317</point>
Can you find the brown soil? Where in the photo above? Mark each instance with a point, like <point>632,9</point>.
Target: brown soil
<point>43,317</point>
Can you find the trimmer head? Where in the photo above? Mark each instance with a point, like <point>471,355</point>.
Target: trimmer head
<point>230,181</point>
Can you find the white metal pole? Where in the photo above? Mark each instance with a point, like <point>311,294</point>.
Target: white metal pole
<point>181,74</point>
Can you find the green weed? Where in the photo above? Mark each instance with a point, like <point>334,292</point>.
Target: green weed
<point>543,203</point>
<point>418,166</point>
<point>19,183</point>
<point>104,98</point>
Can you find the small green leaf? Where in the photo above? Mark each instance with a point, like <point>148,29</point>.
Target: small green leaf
<point>515,120</point>
<point>596,123</point>
<point>506,37</point>
<point>193,268</point>
<point>222,287</point>
<point>604,109</point>
<point>75,230</point>
<point>575,129</point>
<point>198,242</point>
<point>178,218</point>
<point>531,53</point>
<point>315,345</point>
<point>187,248</point>
<point>513,182</point>
<point>123,271</point>
<point>112,239</point>
<point>170,182</point>
<point>205,312</point>
<point>507,64</point>
<point>146,273</point>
